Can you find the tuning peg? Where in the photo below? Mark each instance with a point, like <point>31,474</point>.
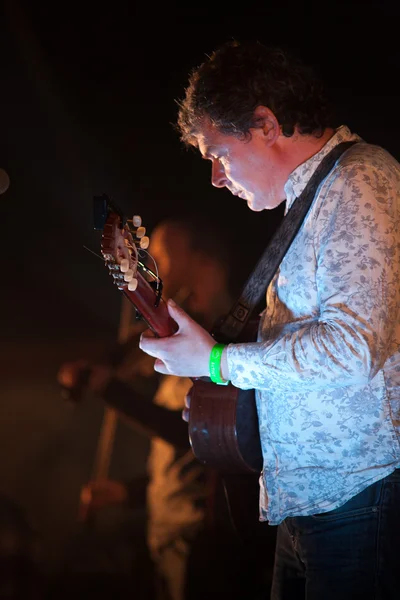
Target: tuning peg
<point>144,242</point>
<point>128,275</point>
<point>113,267</point>
<point>136,220</point>
<point>140,232</point>
<point>124,265</point>
<point>132,285</point>
<point>117,276</point>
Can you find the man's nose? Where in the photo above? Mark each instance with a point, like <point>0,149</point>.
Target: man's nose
<point>218,177</point>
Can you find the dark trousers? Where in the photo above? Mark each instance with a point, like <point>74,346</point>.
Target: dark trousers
<point>349,553</point>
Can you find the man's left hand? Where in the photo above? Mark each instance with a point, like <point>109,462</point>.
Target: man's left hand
<point>186,353</point>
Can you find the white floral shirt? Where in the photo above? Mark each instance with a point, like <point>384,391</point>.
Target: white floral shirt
<point>326,365</point>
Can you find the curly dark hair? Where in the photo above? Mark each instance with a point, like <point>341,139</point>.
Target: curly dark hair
<point>238,77</point>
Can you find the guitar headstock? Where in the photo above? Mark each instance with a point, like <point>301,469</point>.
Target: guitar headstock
<point>121,241</point>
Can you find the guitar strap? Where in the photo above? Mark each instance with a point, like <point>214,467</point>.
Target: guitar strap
<point>256,285</point>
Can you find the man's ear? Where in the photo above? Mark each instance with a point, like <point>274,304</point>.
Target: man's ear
<point>265,120</point>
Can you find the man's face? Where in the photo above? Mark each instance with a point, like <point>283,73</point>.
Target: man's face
<point>249,169</point>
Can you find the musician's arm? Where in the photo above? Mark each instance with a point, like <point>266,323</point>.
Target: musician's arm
<point>147,417</point>
<point>135,405</point>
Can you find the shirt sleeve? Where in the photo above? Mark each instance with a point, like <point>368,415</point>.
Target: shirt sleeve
<point>356,246</point>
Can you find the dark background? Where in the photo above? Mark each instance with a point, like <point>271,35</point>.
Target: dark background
<point>87,104</point>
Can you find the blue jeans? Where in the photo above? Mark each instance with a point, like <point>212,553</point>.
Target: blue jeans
<point>350,553</point>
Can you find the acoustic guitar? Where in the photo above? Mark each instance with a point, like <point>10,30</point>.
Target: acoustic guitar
<point>223,423</point>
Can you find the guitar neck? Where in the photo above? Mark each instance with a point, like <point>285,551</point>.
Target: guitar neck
<point>152,309</point>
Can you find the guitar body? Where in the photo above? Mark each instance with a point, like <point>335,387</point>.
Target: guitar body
<point>224,435</point>
<point>223,422</point>
<point>223,428</point>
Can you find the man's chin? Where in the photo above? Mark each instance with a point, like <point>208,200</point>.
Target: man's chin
<point>252,206</point>
<point>251,202</point>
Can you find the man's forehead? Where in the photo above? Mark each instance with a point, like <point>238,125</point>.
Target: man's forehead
<point>205,137</point>
<point>208,140</point>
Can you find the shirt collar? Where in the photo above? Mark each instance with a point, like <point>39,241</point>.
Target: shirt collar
<point>299,178</point>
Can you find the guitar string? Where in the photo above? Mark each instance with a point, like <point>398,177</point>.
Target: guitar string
<point>142,265</point>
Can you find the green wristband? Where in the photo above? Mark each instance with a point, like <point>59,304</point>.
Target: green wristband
<point>215,364</point>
